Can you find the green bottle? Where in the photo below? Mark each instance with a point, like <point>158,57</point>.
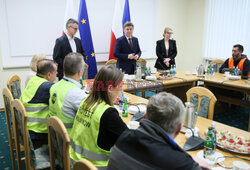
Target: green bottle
<point>125,108</point>
<point>81,83</point>
<point>209,144</point>
<point>171,70</point>
<point>208,70</point>
<point>146,72</point>
<point>233,72</point>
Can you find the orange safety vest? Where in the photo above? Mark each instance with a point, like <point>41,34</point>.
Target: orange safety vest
<point>240,64</point>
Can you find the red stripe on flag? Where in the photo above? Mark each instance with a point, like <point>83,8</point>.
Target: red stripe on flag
<point>112,46</point>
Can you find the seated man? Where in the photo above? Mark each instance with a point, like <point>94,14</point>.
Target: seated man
<point>237,60</point>
<point>35,98</point>
<point>66,95</point>
<point>127,50</point>
<point>152,145</point>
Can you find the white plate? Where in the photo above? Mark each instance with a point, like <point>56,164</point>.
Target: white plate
<point>138,79</point>
<point>133,109</point>
<point>234,77</point>
<point>129,77</point>
<point>152,78</point>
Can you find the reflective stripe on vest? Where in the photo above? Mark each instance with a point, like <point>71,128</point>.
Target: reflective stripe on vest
<point>36,109</point>
<point>37,120</point>
<point>88,154</point>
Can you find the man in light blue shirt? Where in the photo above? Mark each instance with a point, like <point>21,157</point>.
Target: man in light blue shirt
<point>66,95</point>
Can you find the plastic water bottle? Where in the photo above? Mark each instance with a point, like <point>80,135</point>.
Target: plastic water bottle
<point>171,70</point>
<point>81,83</point>
<point>212,71</point>
<point>233,72</point>
<point>149,71</point>
<point>214,132</point>
<point>125,108</point>
<point>208,70</point>
<point>121,100</point>
<point>237,71</point>
<point>174,70</point>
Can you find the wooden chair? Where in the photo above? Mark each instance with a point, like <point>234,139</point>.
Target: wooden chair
<point>112,62</point>
<point>86,72</point>
<point>84,164</point>
<point>59,142</point>
<point>203,100</point>
<point>14,85</point>
<point>7,98</point>
<point>216,64</point>
<point>34,159</point>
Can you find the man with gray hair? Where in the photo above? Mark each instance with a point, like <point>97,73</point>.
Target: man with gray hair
<point>152,145</point>
<point>66,95</point>
<point>66,44</point>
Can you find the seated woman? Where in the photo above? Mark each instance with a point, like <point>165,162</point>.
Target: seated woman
<point>33,66</point>
<point>97,124</point>
<point>166,51</point>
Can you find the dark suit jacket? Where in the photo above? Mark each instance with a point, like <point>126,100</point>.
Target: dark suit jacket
<point>61,49</point>
<point>122,50</point>
<point>161,54</point>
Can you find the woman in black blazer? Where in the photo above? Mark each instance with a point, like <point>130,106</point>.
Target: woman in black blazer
<point>166,51</point>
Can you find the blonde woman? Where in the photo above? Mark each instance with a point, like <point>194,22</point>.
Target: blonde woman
<point>166,51</point>
<point>33,66</point>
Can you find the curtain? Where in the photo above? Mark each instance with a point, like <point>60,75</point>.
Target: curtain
<point>227,22</point>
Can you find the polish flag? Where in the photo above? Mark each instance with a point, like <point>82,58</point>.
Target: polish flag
<point>69,13</point>
<point>121,16</point>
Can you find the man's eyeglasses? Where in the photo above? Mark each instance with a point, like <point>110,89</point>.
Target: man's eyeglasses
<point>169,33</point>
<point>74,28</point>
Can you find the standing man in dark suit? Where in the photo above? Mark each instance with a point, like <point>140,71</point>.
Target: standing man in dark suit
<point>66,44</point>
<point>127,50</point>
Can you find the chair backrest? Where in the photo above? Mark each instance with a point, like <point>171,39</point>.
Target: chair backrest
<point>84,164</point>
<point>14,85</point>
<point>203,100</point>
<point>59,142</point>
<point>112,62</point>
<point>21,134</point>
<point>141,62</point>
<point>8,98</point>
<point>216,64</point>
<point>86,73</point>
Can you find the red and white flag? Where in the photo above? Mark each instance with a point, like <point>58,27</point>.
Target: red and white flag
<point>117,28</point>
<point>70,12</point>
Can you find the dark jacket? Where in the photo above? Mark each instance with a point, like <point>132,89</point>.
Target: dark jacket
<point>246,66</point>
<point>161,54</point>
<point>121,52</point>
<point>62,48</point>
<point>149,148</point>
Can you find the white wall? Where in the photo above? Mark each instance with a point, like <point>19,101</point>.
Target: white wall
<point>185,17</point>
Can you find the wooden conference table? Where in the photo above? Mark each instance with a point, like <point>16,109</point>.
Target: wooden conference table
<point>203,125</point>
<point>225,90</point>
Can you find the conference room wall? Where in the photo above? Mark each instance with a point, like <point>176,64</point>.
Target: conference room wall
<point>186,18</point>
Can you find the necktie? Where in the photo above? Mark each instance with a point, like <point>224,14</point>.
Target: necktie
<point>130,43</point>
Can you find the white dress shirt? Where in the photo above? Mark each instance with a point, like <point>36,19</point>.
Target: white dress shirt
<point>72,43</point>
